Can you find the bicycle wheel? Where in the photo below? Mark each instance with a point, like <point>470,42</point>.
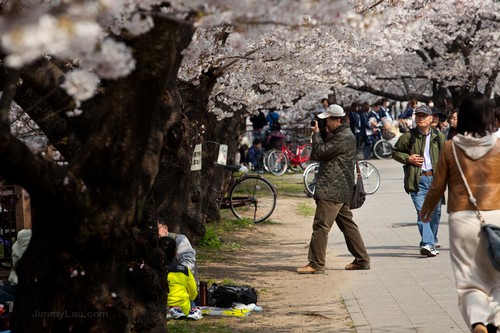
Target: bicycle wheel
<point>305,156</point>
<point>371,176</point>
<point>277,163</point>
<point>309,177</point>
<point>382,149</point>
<point>252,197</point>
<point>265,159</point>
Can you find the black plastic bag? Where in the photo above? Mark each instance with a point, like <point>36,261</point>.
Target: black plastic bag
<point>224,296</point>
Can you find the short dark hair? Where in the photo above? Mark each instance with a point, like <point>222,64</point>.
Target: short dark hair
<point>256,141</point>
<point>168,246</point>
<point>475,115</point>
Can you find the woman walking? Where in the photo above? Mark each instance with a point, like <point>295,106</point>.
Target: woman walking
<point>478,152</point>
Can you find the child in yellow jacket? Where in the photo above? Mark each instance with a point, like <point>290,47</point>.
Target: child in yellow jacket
<point>181,284</point>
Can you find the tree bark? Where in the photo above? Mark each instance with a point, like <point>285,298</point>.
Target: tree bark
<point>92,264</point>
<point>215,132</point>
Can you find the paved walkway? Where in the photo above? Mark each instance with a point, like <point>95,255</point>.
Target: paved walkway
<point>403,291</point>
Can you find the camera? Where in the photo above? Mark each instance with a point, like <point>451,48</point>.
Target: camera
<point>313,123</point>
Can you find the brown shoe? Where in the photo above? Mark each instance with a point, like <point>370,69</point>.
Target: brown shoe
<point>354,267</point>
<point>307,269</point>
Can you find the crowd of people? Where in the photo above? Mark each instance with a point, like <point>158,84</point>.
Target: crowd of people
<point>382,120</point>
<point>431,147</point>
<point>266,133</point>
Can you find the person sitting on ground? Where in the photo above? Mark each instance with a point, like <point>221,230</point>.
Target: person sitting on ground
<point>254,155</point>
<point>8,291</point>
<point>186,255</point>
<point>181,284</point>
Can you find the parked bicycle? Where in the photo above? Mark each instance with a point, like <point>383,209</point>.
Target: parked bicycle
<point>297,158</point>
<point>249,196</point>
<point>371,177</point>
<point>382,149</point>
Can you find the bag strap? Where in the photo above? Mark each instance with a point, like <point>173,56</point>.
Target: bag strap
<point>358,170</point>
<point>472,199</point>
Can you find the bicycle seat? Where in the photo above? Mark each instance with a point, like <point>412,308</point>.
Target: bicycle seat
<point>233,168</point>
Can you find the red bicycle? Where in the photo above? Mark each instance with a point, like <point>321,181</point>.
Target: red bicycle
<point>297,158</point>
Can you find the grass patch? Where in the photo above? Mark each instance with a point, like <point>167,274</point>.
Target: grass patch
<point>287,184</point>
<point>304,209</point>
<point>218,244</point>
<point>211,239</point>
<point>217,325</point>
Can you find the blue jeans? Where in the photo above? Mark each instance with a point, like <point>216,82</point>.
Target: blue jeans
<point>428,231</point>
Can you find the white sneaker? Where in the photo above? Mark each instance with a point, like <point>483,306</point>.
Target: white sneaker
<point>429,251</point>
<point>175,312</point>
<point>195,314</point>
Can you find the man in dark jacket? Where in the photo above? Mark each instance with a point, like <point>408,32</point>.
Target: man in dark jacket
<point>334,187</point>
<point>418,150</point>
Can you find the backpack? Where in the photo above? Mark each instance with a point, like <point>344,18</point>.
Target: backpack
<point>225,295</point>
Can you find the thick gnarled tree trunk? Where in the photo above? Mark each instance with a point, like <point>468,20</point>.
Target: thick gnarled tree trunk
<point>92,263</point>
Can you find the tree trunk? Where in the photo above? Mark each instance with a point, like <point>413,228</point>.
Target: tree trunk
<point>92,264</point>
<point>215,132</point>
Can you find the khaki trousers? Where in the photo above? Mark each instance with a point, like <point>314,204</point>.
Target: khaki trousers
<point>328,212</point>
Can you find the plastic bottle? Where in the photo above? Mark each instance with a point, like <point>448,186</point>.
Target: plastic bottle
<point>203,293</point>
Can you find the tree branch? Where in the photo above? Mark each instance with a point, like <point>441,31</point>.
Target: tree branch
<point>396,97</point>
<point>488,89</point>
<point>219,71</point>
<point>8,94</point>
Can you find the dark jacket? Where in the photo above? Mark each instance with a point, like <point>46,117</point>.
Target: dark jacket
<point>413,142</point>
<point>258,121</point>
<point>336,156</point>
<point>254,156</point>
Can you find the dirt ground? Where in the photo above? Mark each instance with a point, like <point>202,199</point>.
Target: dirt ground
<point>267,261</point>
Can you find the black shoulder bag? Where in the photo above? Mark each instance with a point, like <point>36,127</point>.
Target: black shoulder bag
<point>359,194</point>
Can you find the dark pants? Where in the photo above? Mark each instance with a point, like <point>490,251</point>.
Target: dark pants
<point>328,212</point>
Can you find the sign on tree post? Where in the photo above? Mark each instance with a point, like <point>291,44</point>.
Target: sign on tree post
<point>196,158</point>
<point>222,157</point>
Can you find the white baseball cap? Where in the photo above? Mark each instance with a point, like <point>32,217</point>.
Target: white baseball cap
<point>333,110</point>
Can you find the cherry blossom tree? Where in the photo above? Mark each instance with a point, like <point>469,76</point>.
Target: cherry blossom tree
<point>433,50</point>
<point>92,264</point>
<point>124,89</point>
